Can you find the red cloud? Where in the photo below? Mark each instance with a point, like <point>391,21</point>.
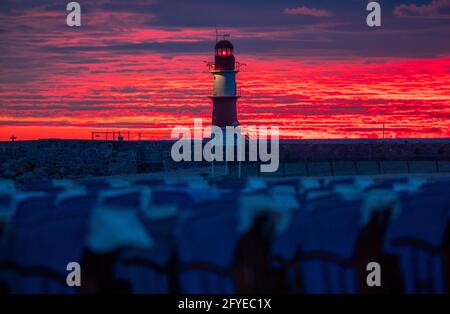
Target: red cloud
<point>307,11</point>
<point>436,9</point>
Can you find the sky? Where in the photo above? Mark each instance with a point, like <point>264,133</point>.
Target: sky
<point>314,68</point>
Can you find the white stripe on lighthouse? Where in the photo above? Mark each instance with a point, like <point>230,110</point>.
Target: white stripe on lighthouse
<point>224,84</point>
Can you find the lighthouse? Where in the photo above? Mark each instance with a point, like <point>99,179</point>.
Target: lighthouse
<point>225,93</point>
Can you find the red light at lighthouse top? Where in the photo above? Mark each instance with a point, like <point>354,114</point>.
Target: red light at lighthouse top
<point>224,48</point>
<point>224,58</point>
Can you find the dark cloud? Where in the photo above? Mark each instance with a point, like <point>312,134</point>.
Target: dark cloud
<point>261,26</point>
<point>436,9</point>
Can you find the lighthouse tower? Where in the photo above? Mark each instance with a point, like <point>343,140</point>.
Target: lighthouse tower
<point>224,93</point>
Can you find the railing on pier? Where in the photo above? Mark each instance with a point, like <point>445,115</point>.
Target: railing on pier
<point>130,135</point>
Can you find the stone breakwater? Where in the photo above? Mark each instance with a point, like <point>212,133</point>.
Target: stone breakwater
<point>24,161</point>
